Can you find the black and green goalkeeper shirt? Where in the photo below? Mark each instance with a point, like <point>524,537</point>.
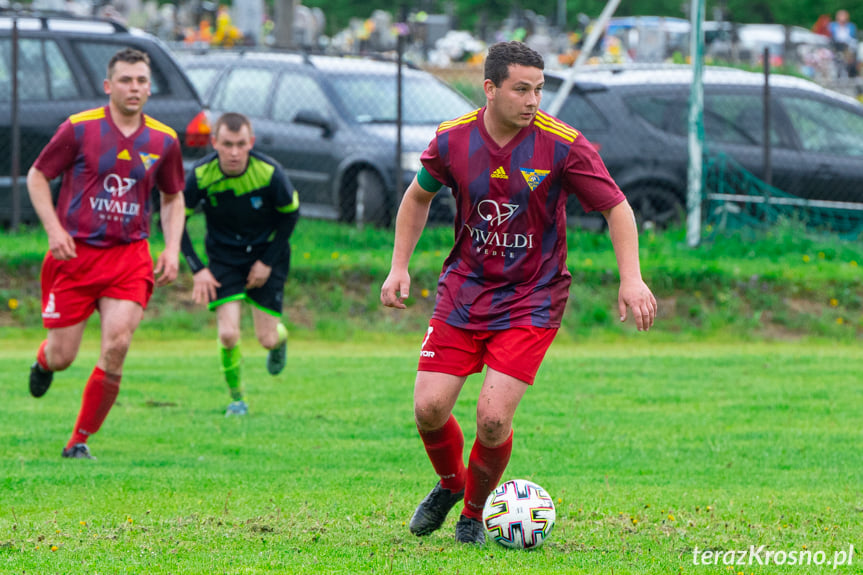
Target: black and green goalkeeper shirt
<point>257,208</point>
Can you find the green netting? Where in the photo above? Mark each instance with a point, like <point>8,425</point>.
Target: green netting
<point>733,198</point>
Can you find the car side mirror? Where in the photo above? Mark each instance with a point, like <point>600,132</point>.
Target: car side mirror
<point>314,118</point>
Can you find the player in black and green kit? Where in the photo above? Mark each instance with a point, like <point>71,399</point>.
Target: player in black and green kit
<point>251,210</point>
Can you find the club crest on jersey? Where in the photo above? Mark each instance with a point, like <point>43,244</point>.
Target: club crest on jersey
<point>148,160</point>
<point>534,177</point>
<point>257,202</point>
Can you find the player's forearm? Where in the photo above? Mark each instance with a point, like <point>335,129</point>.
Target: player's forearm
<point>624,238</point>
<point>173,220</point>
<point>279,246</point>
<point>39,189</point>
<point>188,250</point>
<point>410,222</point>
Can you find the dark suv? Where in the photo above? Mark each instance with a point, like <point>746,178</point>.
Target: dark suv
<point>61,65</point>
<point>331,122</point>
<point>637,118</point>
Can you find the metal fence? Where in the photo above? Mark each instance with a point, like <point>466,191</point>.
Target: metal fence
<point>636,115</point>
<point>350,144</point>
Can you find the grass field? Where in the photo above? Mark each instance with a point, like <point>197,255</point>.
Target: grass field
<point>651,450</point>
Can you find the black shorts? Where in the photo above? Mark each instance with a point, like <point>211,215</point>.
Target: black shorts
<point>233,276</point>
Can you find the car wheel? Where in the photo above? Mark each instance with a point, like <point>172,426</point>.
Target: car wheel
<point>655,207</point>
<point>364,199</point>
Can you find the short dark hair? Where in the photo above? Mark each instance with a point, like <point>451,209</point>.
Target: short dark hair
<point>504,54</point>
<point>128,55</point>
<point>233,121</point>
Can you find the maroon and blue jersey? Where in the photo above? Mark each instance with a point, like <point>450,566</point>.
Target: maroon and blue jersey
<point>507,267</point>
<point>108,177</point>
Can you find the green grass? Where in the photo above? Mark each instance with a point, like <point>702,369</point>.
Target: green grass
<point>650,450</point>
<point>785,283</point>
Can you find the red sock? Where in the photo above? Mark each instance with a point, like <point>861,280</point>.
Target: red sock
<point>445,448</point>
<point>99,395</point>
<point>40,356</point>
<point>485,468</point>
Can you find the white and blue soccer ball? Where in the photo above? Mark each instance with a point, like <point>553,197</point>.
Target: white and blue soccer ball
<point>519,514</point>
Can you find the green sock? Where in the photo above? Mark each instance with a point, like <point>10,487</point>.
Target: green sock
<point>283,332</point>
<point>231,360</point>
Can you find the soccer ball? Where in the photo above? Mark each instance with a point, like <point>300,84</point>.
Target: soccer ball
<point>519,514</point>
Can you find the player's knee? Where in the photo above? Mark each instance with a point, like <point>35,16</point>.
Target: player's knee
<point>269,340</point>
<point>115,354</point>
<point>229,338</point>
<point>491,429</point>
<point>60,360</point>
<point>430,415</point>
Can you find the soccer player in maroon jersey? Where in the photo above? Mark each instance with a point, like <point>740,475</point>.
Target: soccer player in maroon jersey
<point>504,285</point>
<point>99,257</point>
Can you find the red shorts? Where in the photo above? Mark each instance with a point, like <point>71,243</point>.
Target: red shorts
<point>517,351</point>
<point>72,288</point>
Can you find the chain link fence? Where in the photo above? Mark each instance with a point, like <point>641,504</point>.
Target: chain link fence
<point>350,130</point>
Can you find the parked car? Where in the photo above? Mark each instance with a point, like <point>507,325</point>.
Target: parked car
<point>331,122</point>
<point>637,118</point>
<point>62,62</point>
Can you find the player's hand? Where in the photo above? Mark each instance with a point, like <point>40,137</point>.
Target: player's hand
<point>396,289</point>
<point>167,267</point>
<point>258,275</point>
<point>638,297</point>
<point>61,245</point>
<point>204,288</point>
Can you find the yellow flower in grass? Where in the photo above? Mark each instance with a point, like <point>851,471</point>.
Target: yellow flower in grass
<point>821,255</point>
<point>853,263</point>
<point>834,302</point>
<point>839,321</point>
<point>13,304</point>
<point>54,548</point>
<point>806,258</point>
<point>335,255</point>
<point>424,292</point>
<point>670,517</point>
<point>307,256</point>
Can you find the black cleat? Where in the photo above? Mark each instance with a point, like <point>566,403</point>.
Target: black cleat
<point>40,380</point>
<point>432,511</point>
<point>78,451</point>
<point>469,530</point>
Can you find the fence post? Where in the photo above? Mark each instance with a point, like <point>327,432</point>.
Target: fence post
<point>695,173</point>
<point>768,168</point>
<point>15,171</point>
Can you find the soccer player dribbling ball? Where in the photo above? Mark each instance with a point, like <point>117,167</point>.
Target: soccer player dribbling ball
<point>504,285</point>
<point>99,257</point>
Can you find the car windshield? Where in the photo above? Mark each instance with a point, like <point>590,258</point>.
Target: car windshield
<point>372,99</point>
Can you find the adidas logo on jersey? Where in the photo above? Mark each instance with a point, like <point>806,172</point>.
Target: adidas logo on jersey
<point>499,173</point>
